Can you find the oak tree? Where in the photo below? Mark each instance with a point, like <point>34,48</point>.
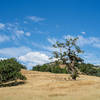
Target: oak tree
<point>67,53</point>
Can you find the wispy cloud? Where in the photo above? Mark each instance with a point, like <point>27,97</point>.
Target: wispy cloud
<point>82,41</point>
<point>35,18</point>
<point>4,38</point>
<point>50,48</point>
<point>2,26</point>
<point>52,40</point>
<point>20,32</point>
<point>83,33</point>
<point>28,34</point>
<point>16,31</point>
<point>92,58</point>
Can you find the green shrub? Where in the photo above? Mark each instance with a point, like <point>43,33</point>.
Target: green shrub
<point>10,70</point>
<point>74,75</point>
<point>89,69</point>
<point>49,68</point>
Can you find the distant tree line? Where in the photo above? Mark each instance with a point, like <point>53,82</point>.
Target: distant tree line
<point>53,68</point>
<point>86,69</point>
<point>89,69</point>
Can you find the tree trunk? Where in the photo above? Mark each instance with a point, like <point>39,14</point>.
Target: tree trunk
<point>73,70</point>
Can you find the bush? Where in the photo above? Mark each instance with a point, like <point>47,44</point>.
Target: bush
<point>74,75</point>
<point>10,70</point>
<point>49,68</point>
<point>89,69</point>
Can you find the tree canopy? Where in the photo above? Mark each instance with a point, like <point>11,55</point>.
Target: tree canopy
<point>10,70</point>
<point>68,54</point>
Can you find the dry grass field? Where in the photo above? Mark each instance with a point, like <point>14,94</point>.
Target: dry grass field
<point>49,86</point>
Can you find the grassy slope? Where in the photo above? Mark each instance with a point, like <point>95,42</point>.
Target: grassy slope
<point>49,86</point>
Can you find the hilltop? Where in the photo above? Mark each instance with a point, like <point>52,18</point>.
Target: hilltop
<point>50,86</point>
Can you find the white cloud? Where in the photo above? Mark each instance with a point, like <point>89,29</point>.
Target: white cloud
<point>36,19</point>
<point>92,41</point>
<point>52,40</point>
<point>37,45</point>
<point>15,29</point>
<point>34,58</point>
<point>97,45</point>
<point>82,41</point>
<point>50,48</point>
<point>83,33</point>
<point>28,34</point>
<point>14,51</point>
<point>2,26</point>
<point>91,58</point>
<point>68,37</point>
<point>1,58</point>
<point>21,32</point>
<point>45,47</point>
<point>4,38</point>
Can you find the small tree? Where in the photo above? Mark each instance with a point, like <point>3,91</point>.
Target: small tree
<point>68,54</point>
<point>10,70</point>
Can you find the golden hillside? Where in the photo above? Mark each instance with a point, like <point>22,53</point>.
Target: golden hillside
<point>49,86</point>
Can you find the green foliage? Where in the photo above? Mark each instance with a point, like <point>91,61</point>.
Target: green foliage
<point>68,53</point>
<point>49,68</point>
<point>74,75</point>
<point>10,70</point>
<point>89,69</point>
<point>98,72</point>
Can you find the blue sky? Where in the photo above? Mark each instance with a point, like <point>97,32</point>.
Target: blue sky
<point>28,28</point>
